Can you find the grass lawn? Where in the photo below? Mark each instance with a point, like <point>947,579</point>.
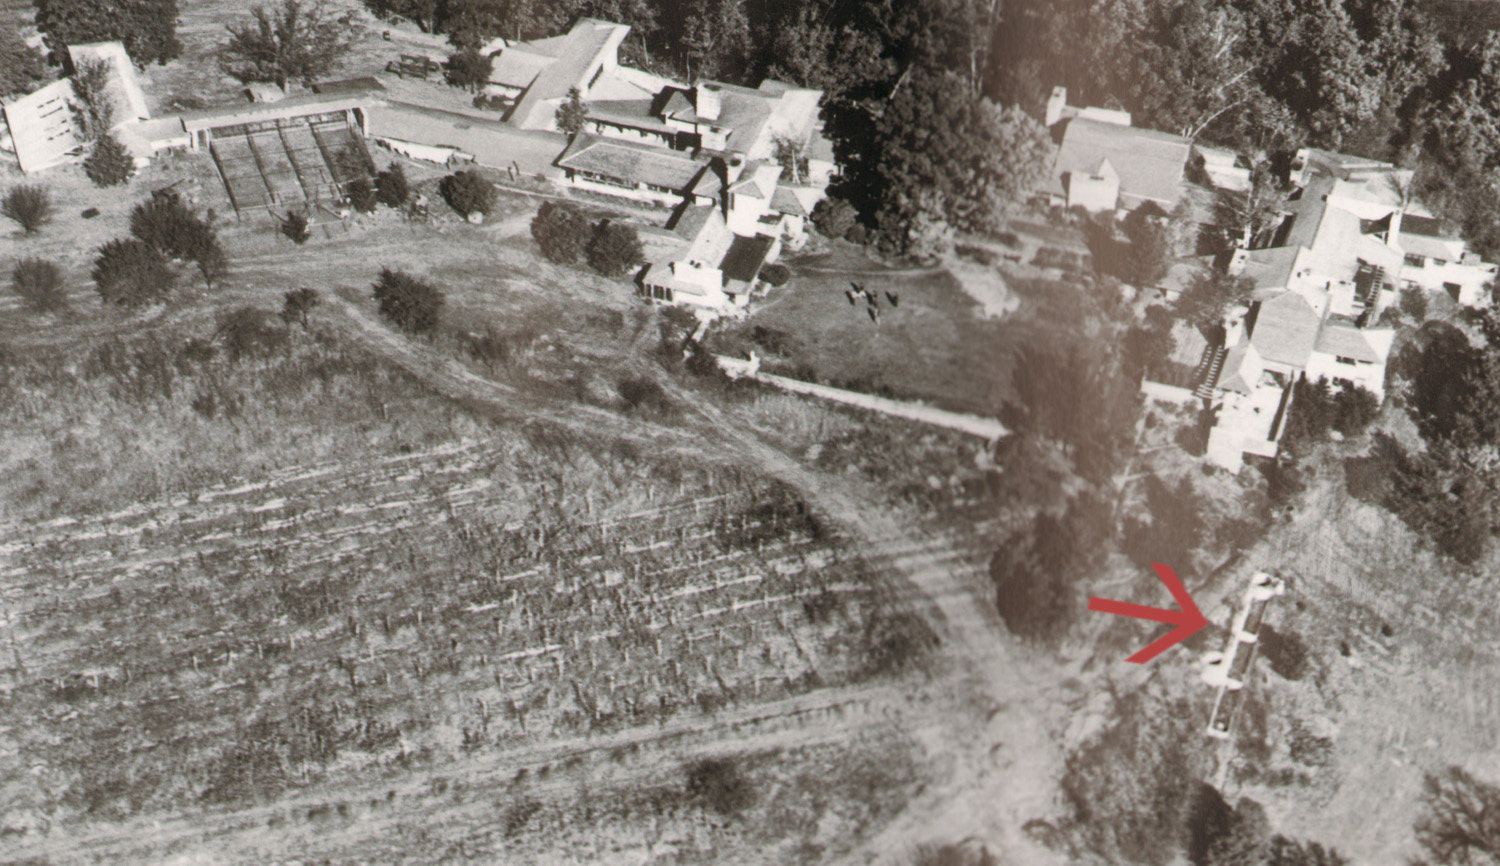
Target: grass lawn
<point>931,346</point>
<point>935,345</point>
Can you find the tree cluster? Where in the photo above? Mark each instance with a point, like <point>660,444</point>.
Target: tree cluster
<point>22,68</point>
<point>1317,408</point>
<point>147,27</point>
<point>566,236</point>
<point>1036,571</point>
<point>170,226</point>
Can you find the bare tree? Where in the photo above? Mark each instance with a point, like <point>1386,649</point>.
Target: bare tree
<point>1462,824</point>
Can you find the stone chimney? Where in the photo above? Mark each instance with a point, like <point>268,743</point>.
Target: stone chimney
<point>706,102</point>
<point>1056,104</point>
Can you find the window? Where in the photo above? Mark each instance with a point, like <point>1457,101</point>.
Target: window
<point>1413,261</point>
<point>1350,361</point>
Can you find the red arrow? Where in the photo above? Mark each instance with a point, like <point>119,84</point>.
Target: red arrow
<point>1188,620</point>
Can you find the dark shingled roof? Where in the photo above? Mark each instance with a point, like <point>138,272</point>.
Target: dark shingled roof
<point>745,257</point>
<point>630,162</point>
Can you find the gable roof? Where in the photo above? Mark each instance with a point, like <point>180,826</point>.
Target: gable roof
<point>585,47</point>
<point>745,256</point>
<point>1149,163</point>
<point>1285,329</point>
<point>123,88</point>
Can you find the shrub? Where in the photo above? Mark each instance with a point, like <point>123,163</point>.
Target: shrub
<point>295,227</point>
<point>248,331</point>
<point>468,192</point>
<point>834,217</point>
<point>776,275</point>
<point>411,304</point>
<point>1286,653</point>
<point>297,304</point>
<point>859,235</point>
<point>391,186</point>
<point>614,248</point>
<point>40,285</point>
<point>562,231</point>
<point>30,206</point>
<point>1414,304</point>
<point>718,784</point>
<point>108,163</point>
<point>490,102</point>
<point>640,392</point>
<point>1354,409</point>
<point>131,273</point>
<point>361,194</point>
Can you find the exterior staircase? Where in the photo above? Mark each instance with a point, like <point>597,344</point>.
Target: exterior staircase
<point>1207,374</point>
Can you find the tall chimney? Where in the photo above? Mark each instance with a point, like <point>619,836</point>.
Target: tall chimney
<point>1056,104</point>
<point>707,101</point>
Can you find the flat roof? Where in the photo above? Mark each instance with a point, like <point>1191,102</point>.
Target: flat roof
<point>41,126</point>
<point>292,106</point>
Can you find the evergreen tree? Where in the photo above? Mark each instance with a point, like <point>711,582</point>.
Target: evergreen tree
<point>562,231</point>
<point>410,303</point>
<point>573,113</point>
<point>108,163</point>
<point>131,273</point>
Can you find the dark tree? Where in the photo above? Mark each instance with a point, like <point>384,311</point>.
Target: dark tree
<point>1176,528</point>
<point>573,113</point>
<point>833,217</point>
<point>22,68</point>
<point>718,784</point>
<point>944,160</point>
<point>40,284</point>
<point>562,231</point>
<point>361,195</point>
<point>1310,417</point>
<point>776,274</point>
<point>132,273</point>
<point>1286,852</point>
<point>469,68</point>
<point>28,205</point>
<point>614,248</point>
<point>1036,573</point>
<point>296,306</point>
<point>1285,652</point>
<point>469,192</point>
<point>1080,401</point>
<point>1354,409</point>
<point>1414,304</point>
<point>410,303</point>
<point>1148,346</point>
<point>147,27</point>
<point>391,186</point>
<point>1444,382</point>
<point>1461,826</point>
<point>170,225</point>
<point>295,227</point>
<point>1208,295</point>
<point>292,42</point>
<point>1150,256</point>
<point>108,163</point>
<point>90,83</point>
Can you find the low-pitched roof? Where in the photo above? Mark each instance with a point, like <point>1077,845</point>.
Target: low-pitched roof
<point>1346,341</point>
<point>1150,164</point>
<point>361,84</point>
<point>1285,329</point>
<point>631,162</point>
<point>41,127</point>
<point>636,113</point>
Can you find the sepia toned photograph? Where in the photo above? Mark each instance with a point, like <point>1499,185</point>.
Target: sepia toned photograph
<point>751,432</point>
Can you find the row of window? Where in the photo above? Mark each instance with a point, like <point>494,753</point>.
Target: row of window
<point>660,293</point>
